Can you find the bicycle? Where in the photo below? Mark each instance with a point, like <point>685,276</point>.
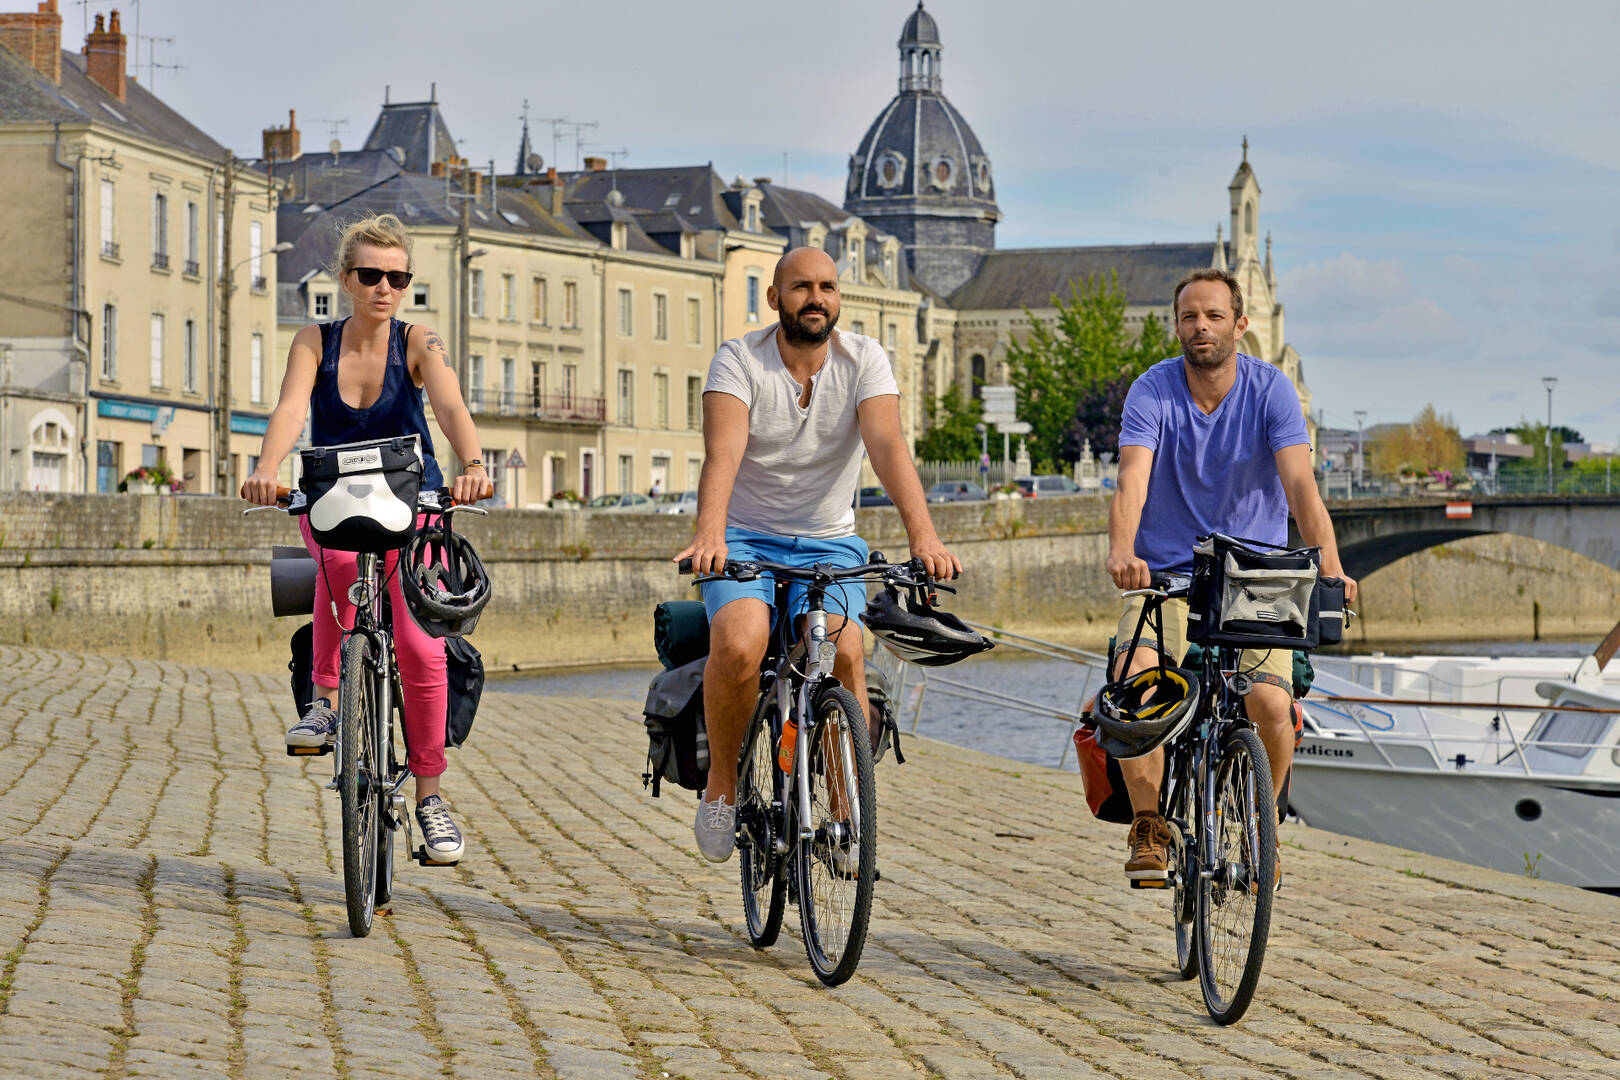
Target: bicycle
<point>1216,799</point>
<point>811,830</point>
<point>368,770</point>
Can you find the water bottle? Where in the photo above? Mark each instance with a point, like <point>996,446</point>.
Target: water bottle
<point>790,736</point>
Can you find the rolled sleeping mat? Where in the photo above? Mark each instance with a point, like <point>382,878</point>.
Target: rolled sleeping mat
<point>292,580</point>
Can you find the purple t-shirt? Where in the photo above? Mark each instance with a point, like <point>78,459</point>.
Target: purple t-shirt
<point>1215,473</point>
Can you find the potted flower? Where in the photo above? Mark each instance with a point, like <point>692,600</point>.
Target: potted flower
<point>567,499</point>
<point>148,480</point>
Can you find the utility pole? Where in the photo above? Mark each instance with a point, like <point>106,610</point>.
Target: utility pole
<point>1361,450</point>
<point>227,286</point>
<point>463,282</point>
<point>1549,381</point>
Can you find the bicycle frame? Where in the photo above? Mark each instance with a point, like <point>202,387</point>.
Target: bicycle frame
<point>367,595</point>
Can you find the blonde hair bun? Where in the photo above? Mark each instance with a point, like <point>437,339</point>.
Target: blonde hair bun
<point>379,230</point>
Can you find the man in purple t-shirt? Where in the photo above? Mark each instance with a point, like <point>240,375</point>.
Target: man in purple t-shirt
<point>1211,441</point>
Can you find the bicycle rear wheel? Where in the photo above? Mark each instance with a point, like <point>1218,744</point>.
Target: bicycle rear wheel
<point>358,779</point>
<point>1234,903</point>
<point>837,864</point>
<point>764,885</point>
<point>1183,867</point>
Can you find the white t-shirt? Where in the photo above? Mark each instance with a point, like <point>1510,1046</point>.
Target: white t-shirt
<point>801,466</point>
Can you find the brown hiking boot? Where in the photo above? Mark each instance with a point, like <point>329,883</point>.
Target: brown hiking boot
<point>1149,839</point>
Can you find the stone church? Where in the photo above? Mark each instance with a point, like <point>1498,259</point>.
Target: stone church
<point>921,176</point>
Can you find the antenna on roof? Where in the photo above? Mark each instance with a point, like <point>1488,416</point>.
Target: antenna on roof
<point>152,41</point>
<point>333,128</point>
<point>784,157</point>
<point>577,129</point>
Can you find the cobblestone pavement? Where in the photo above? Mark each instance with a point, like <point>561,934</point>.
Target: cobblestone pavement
<point>171,905</point>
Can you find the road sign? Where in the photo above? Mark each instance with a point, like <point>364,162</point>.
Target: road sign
<point>1014,427</point>
<point>1000,403</point>
<point>514,460</point>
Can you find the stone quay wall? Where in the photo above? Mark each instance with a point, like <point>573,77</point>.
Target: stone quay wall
<point>186,579</point>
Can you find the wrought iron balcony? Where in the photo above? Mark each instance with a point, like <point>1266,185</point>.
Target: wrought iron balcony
<point>160,260</point>
<point>192,268</point>
<point>109,249</point>
<point>259,283</point>
<point>573,409</point>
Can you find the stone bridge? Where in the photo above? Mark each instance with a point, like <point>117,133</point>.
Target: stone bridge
<point>1376,532</point>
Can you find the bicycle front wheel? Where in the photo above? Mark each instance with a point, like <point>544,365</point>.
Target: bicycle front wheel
<point>358,779</point>
<point>1234,901</point>
<point>764,886</point>
<point>837,863</point>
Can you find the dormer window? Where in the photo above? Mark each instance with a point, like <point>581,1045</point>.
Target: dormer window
<point>621,235</point>
<point>753,218</point>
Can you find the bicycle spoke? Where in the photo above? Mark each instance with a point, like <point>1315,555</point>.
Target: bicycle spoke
<point>1234,905</point>
<point>837,865</point>
<point>764,886</point>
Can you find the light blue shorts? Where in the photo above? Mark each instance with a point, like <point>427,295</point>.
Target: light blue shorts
<point>848,599</point>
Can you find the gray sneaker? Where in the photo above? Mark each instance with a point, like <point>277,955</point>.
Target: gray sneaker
<point>715,829</point>
<point>317,727</point>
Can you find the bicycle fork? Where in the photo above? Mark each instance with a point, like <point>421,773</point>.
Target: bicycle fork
<point>819,655</point>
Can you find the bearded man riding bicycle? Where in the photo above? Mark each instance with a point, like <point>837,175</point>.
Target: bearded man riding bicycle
<point>1211,441</point>
<point>786,410</point>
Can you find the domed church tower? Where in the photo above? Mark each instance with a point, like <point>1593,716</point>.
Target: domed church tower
<point>920,173</point>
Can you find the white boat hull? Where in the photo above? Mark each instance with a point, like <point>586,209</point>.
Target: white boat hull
<point>1345,786</point>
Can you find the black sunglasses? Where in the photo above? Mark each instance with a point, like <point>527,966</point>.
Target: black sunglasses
<point>370,275</point>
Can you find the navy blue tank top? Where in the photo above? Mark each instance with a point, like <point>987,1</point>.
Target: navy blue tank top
<point>397,410</point>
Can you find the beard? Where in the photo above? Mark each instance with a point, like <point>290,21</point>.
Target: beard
<point>799,334</point>
<point>1224,350</point>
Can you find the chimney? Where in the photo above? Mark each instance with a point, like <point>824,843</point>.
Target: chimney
<point>556,191</point>
<point>761,181</point>
<point>104,57</point>
<point>281,143</point>
<point>595,164</point>
<point>36,37</point>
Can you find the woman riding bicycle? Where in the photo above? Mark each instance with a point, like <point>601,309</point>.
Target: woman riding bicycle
<point>357,379</point>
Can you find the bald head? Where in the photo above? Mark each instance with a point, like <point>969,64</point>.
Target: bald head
<point>804,293</point>
<point>804,262</point>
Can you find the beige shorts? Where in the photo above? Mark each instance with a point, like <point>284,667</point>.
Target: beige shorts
<point>1275,666</point>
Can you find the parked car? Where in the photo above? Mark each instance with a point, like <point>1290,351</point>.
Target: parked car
<point>676,502</point>
<point>630,502</point>
<point>956,491</point>
<point>1046,487</point>
<point>872,496</point>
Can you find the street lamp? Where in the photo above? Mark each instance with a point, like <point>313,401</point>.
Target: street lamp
<point>222,414</point>
<point>1361,457</point>
<point>1549,381</point>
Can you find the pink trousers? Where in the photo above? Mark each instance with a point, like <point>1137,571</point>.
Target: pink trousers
<point>421,656</point>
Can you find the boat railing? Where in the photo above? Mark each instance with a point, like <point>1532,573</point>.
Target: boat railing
<point>903,677</point>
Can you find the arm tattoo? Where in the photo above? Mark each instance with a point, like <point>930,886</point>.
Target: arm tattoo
<point>435,343</point>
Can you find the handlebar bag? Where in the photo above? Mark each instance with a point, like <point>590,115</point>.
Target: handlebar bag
<point>1250,595</point>
<point>362,496</point>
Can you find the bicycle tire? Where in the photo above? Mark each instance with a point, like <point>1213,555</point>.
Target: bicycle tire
<point>357,786</point>
<point>1183,867</point>
<point>386,831</point>
<point>764,885</point>
<point>835,905</point>
<point>1234,904</point>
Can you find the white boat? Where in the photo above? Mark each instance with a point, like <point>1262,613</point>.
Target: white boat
<point>1432,756</point>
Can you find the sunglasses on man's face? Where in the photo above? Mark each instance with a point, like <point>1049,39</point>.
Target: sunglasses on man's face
<point>370,275</point>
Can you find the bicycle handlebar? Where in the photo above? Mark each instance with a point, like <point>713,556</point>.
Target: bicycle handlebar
<point>908,573</point>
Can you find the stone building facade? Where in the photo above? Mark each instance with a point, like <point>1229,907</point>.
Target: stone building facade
<point>112,219</point>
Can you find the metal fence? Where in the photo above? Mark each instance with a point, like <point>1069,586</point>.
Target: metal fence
<point>934,472</point>
<point>1341,485</point>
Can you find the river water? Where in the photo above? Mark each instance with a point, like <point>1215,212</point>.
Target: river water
<point>978,723</point>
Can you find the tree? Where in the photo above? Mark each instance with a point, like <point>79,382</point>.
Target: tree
<point>1069,365</point>
<point>950,434</point>
<point>1429,444</point>
<point>1533,433</point>
<point>1097,417</point>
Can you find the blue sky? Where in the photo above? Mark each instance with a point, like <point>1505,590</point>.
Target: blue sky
<point>1442,179</point>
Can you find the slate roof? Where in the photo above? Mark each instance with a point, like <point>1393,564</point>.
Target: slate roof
<point>329,178</point>
<point>695,192</point>
<point>920,29</point>
<point>785,209</point>
<point>26,96</point>
<point>418,129</point>
<point>1016,278</point>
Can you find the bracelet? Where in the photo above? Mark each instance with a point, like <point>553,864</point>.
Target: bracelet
<point>473,462</point>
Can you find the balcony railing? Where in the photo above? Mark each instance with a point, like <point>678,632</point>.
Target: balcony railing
<point>192,267</point>
<point>160,260</point>
<point>109,249</point>
<point>567,408</point>
<point>259,283</point>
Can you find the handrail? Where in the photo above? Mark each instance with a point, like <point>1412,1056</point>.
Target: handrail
<point>1504,706</point>
<point>1090,657</point>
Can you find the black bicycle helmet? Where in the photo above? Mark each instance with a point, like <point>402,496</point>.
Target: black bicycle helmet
<point>444,582</point>
<point>917,631</point>
<point>1129,726</point>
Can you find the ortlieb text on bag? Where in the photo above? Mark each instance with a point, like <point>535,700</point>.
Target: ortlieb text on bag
<point>677,740</point>
<point>362,496</point>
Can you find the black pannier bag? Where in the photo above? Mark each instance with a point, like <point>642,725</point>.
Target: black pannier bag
<point>677,740</point>
<point>302,666</point>
<point>464,674</point>
<point>362,496</point>
<point>1249,595</point>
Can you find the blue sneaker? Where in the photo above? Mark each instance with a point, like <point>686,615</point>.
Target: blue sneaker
<point>316,728</point>
<point>440,837</point>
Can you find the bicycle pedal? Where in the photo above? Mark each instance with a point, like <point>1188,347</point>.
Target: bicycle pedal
<point>309,751</point>
<point>1149,883</point>
<point>421,857</point>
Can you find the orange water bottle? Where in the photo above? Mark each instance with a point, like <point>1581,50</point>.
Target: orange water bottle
<point>790,736</point>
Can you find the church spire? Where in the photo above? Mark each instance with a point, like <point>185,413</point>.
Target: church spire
<point>1271,272</point>
<point>1219,261</point>
<point>525,150</point>
<point>919,53</point>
